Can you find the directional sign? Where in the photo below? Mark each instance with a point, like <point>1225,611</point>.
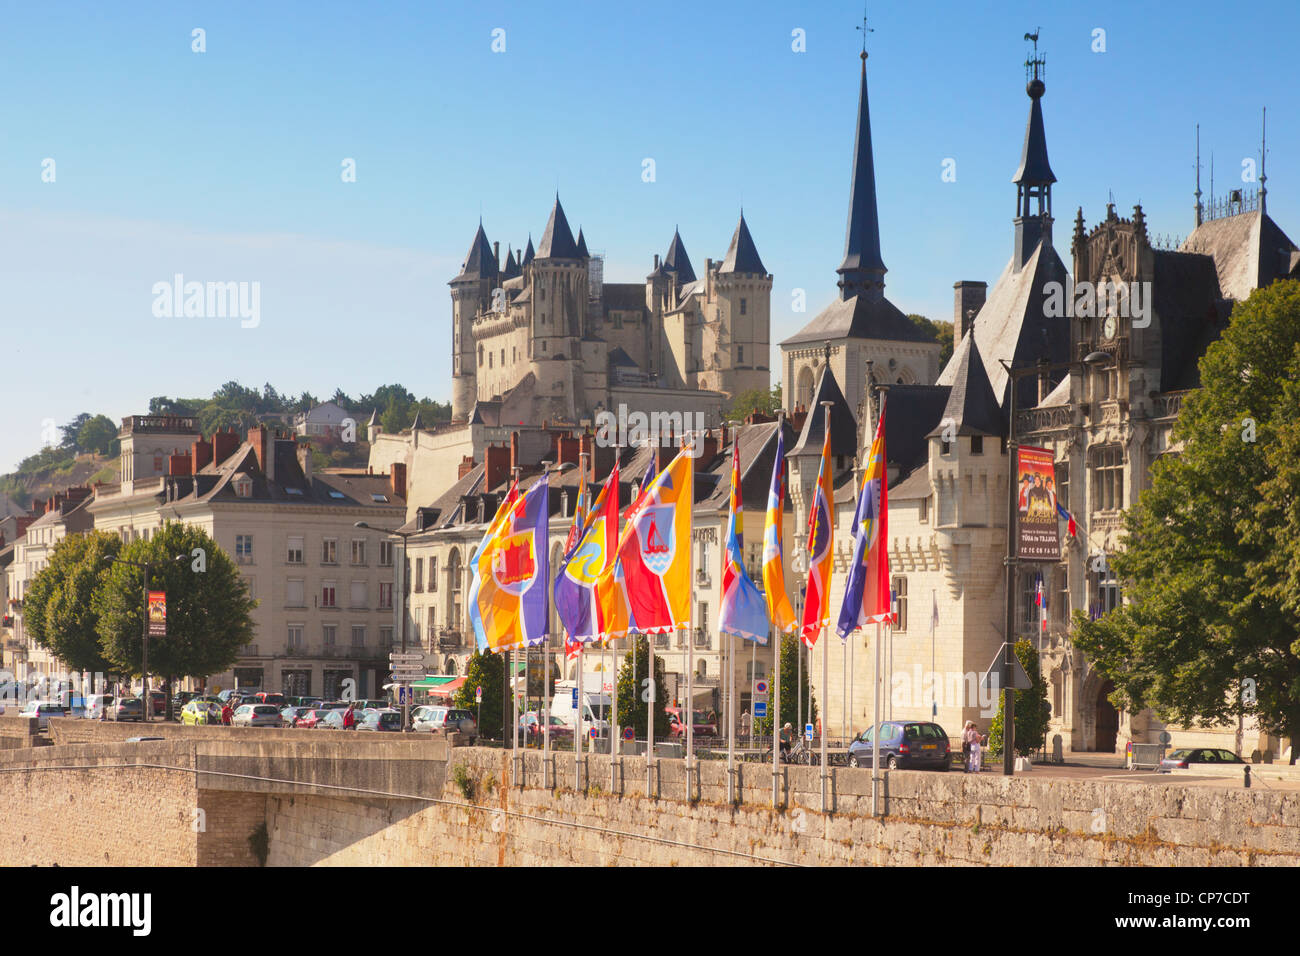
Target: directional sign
<point>760,688</point>
<point>808,731</point>
<point>413,657</point>
<point>760,708</point>
<point>628,733</point>
<point>404,677</point>
<point>992,679</point>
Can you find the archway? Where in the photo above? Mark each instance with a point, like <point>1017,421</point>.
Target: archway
<point>804,390</point>
<point>1106,719</point>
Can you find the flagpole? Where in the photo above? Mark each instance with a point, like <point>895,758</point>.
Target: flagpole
<point>753,661</point>
<point>687,712</point>
<point>776,717</point>
<point>934,614</point>
<point>825,610</point>
<point>578,734</point>
<point>875,733</point>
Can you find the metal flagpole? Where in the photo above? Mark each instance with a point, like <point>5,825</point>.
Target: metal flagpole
<point>514,703</point>
<point>650,715</point>
<point>875,733</point>
<point>826,651</point>
<point>688,711</point>
<point>934,613</point>
<point>776,720</point>
<point>731,719</point>
<point>613,719</point>
<point>578,734</point>
<point>844,687</point>
<point>544,714</point>
<point>852,686</point>
<point>753,674</point>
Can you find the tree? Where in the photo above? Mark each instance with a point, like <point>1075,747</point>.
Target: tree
<point>1209,566</point>
<point>791,648</point>
<point>209,612</point>
<point>765,401</point>
<point>940,332</point>
<point>1032,708</point>
<point>57,609</point>
<point>633,690</point>
<point>99,435</point>
<point>72,431</point>
<point>486,670</point>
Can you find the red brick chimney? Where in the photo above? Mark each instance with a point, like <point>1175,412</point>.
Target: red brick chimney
<point>178,464</point>
<point>466,466</point>
<point>496,465</point>
<point>514,451</point>
<point>584,446</point>
<point>568,450</point>
<point>224,443</point>
<point>200,455</point>
<point>397,479</point>
<point>257,438</point>
<point>711,446</point>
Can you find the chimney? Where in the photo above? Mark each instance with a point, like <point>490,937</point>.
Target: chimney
<point>178,464</point>
<point>466,466</point>
<point>514,451</point>
<point>397,479</point>
<point>224,443</point>
<point>496,466</point>
<point>1044,382</point>
<point>200,455</point>
<point>584,447</point>
<point>711,446</point>
<point>304,460</point>
<point>967,296</point>
<point>656,262</point>
<point>568,450</point>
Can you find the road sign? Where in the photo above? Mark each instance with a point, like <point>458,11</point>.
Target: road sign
<point>593,733</point>
<point>760,688</point>
<point>405,677</point>
<point>478,694</point>
<point>575,698</point>
<point>992,679</point>
<point>760,708</point>
<point>628,734</point>
<point>808,731</point>
<point>406,657</point>
<point>404,695</point>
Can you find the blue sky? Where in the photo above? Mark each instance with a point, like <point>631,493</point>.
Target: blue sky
<point>226,165</point>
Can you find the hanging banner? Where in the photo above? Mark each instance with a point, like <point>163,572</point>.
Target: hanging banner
<point>157,613</point>
<point>1038,534</point>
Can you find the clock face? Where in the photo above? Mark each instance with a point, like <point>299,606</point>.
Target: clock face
<point>1108,327</point>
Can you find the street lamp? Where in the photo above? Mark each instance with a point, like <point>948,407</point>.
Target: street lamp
<point>1096,360</point>
<point>146,703</point>
<point>401,603</point>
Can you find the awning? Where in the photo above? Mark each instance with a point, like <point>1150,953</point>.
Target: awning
<point>447,689</point>
<point>433,682</point>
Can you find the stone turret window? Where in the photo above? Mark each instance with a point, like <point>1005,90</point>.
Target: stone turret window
<point>744,305</point>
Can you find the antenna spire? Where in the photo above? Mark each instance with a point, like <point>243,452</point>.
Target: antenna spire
<point>1198,175</point>
<point>1263,153</point>
<point>865,30</point>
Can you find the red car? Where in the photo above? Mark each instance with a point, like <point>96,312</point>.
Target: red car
<point>533,728</point>
<point>312,718</point>
<point>700,724</point>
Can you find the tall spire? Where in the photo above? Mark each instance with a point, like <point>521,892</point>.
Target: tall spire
<point>557,240</point>
<point>1034,178</point>
<point>480,261</point>
<point>1199,208</point>
<point>863,271</point>
<point>676,260</point>
<point>1263,154</point>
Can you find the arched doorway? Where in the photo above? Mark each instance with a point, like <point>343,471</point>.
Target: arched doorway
<point>1107,719</point>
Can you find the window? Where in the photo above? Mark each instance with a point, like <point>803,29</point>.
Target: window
<point>419,575</point>
<point>157,463</point>
<point>243,549</point>
<point>755,670</point>
<point>1029,611</point>
<point>327,594</point>
<point>243,487</point>
<point>480,356</point>
<point>433,574</point>
<point>329,553</point>
<point>743,305</point>
<point>386,636</point>
<point>358,550</point>
<point>1063,484</point>
<point>358,595</point>
<point>295,636</point>
<point>1060,610</point>
<point>358,635</point>
<point>489,360</point>
<point>329,634</point>
<point>385,554</point>
<point>900,603</point>
<point>543,345</point>
<point>503,358</point>
<point>1108,479</point>
<point>433,620</point>
<point>977,444</point>
<point>386,596</point>
<point>295,595</point>
<point>923,515</point>
<point>1107,592</point>
<point>295,549</point>
<point>740,352</point>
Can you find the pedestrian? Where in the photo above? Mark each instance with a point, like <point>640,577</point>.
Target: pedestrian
<point>349,718</point>
<point>975,746</point>
<point>744,724</point>
<point>968,732</point>
<point>226,714</point>
<point>787,735</point>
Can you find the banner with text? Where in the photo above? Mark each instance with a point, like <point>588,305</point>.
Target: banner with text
<point>1038,535</point>
<point>157,613</point>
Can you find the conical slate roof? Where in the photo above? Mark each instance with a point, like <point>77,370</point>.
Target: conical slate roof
<point>742,255</point>
<point>1034,169</point>
<point>862,265</point>
<point>676,260</point>
<point>844,425</point>
<point>480,261</point>
<point>972,408</point>
<point>416,423</point>
<point>511,267</point>
<point>529,255</point>
<point>557,241</point>
<point>582,245</point>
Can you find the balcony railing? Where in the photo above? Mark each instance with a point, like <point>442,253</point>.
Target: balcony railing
<point>1168,405</point>
<point>449,640</point>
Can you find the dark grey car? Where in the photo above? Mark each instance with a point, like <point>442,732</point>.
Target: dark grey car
<point>904,745</point>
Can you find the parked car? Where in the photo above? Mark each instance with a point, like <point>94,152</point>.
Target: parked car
<point>263,697</point>
<point>310,718</point>
<point>1183,759</point>
<point>241,692</point>
<point>904,745</point>
<point>431,717</point>
<point>333,719</point>
<point>195,712</point>
<point>42,710</point>
<point>381,719</point>
<point>181,698</point>
<point>257,715</point>
<point>532,727</point>
<point>701,726</point>
<point>292,713</point>
<point>98,706</point>
<point>127,708</point>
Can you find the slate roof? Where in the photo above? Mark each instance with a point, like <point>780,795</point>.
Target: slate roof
<point>480,261</point>
<point>582,245</point>
<point>1034,168</point>
<point>971,405</point>
<point>1249,252</point>
<point>859,317</point>
<point>557,239</point>
<point>1186,296</point>
<point>511,269</point>
<point>529,255</point>
<point>844,425</point>
<point>911,413</point>
<point>676,260</point>
<point>862,259</point>
<point>742,255</point>
<point>620,358</point>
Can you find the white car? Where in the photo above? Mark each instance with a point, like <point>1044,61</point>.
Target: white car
<point>257,715</point>
<point>43,710</point>
<point>97,704</point>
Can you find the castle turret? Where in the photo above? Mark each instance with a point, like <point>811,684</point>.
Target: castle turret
<point>559,295</point>
<point>471,295</point>
<point>1034,178</point>
<point>743,290</point>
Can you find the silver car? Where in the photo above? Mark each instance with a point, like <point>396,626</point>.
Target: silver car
<point>258,715</point>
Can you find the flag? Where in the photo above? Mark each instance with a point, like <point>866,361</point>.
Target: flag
<point>575,598</point>
<point>743,613</point>
<point>1040,599</point>
<point>648,477</point>
<point>778,602</point>
<point>1069,518</point>
<point>651,581</point>
<point>934,612</point>
<point>867,595</point>
<point>579,517</point>
<point>821,532</point>
<point>510,607</point>
<point>502,510</point>
<point>572,647</point>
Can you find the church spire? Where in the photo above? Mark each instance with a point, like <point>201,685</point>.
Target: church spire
<point>1034,178</point>
<point>863,271</point>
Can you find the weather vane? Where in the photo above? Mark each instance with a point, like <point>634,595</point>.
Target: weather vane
<point>865,30</point>
<point>1036,62</point>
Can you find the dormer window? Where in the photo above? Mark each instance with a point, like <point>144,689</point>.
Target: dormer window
<point>243,486</point>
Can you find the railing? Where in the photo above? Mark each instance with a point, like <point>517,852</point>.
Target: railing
<point>449,640</point>
<point>1044,419</point>
<point>1168,405</point>
<point>701,637</point>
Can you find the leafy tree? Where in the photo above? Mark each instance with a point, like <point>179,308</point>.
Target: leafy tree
<point>99,435</point>
<point>632,688</point>
<point>72,431</point>
<point>486,670</point>
<point>162,405</point>
<point>341,399</point>
<point>790,651</point>
<point>1210,559</point>
<point>57,609</point>
<point>766,401</point>
<point>208,611</point>
<point>1032,709</point>
<point>941,332</point>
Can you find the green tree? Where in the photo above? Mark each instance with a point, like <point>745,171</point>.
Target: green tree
<point>72,432</point>
<point>632,690</point>
<point>57,609</point>
<point>1209,566</point>
<point>766,401</point>
<point>209,612</point>
<point>99,435</point>
<point>486,670</point>
<point>940,332</point>
<point>1032,708</point>
<point>791,648</point>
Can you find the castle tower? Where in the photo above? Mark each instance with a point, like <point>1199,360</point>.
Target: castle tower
<point>1034,178</point>
<point>557,277</point>
<point>471,295</point>
<point>740,340</point>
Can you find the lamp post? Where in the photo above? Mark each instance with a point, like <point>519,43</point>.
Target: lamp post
<point>1015,374</point>
<point>401,605</point>
<point>146,703</point>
